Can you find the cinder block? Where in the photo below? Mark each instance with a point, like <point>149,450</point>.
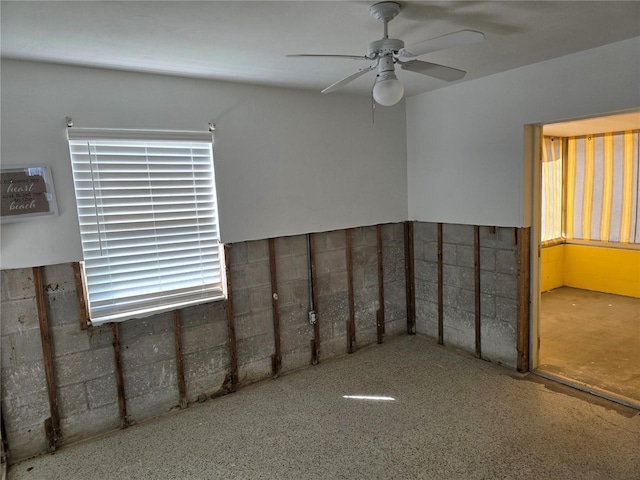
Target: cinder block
<point>487,282</point>
<point>331,261</point>
<point>238,253</point>
<point>204,313</point>
<point>17,284</point>
<point>293,292</point>
<point>291,267</point>
<point>427,271</point>
<point>69,340</point>
<point>25,348</point>
<point>426,317</point>
<point>426,290</point>
<point>260,298</point>
<point>459,298</point>
<point>163,376</point>
<point>488,305</point>
<point>58,278</point>
<point>72,399</point>
<point>255,371</point>
<point>162,323</point>
<point>27,442</point>
<point>457,234</point>
<point>83,366</point>
<point>19,316</point>
<point>132,329</point>
<point>24,412</point>
<point>147,349</point>
<point>152,404</point>
<point>507,285</point>
<point>506,261</point>
<point>204,336</point>
<point>294,245</point>
<point>258,251</point>
<point>254,348</point>
<point>449,254</point>
<point>253,324</point>
<point>101,391</point>
<point>87,423</point>
<point>22,380</point>
<point>370,236</point>
<point>7,355</point>
<point>241,301</point>
<point>367,255</point>
<point>498,342</point>
<point>336,239</point>
<point>465,256</point>
<point>62,308</point>
<point>339,282</point>
<point>250,275</point>
<point>323,285</point>
<point>487,259</point>
<point>460,277</point>
<point>506,310</point>
<point>137,380</point>
<point>371,275</point>
<point>425,231</point>
<point>100,337</point>
<point>205,370</point>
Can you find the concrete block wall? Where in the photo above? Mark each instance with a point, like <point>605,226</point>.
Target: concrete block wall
<point>83,360</point>
<point>498,287</point>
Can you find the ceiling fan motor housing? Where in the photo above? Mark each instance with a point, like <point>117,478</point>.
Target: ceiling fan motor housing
<point>386,46</point>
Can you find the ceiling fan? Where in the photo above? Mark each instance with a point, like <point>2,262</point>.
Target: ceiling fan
<point>387,52</point>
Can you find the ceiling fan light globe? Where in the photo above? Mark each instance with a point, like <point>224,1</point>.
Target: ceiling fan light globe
<point>388,91</point>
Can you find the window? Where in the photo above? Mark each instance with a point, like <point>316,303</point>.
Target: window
<point>591,188</point>
<point>148,220</point>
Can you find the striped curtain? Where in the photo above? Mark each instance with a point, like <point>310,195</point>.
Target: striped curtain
<point>551,190</point>
<point>602,201</point>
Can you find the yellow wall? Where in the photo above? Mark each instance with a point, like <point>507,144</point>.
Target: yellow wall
<point>551,267</point>
<point>600,269</point>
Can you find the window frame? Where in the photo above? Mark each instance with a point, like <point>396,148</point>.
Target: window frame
<point>207,285</point>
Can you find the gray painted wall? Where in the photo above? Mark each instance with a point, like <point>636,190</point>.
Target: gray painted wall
<point>465,143</point>
<point>287,161</point>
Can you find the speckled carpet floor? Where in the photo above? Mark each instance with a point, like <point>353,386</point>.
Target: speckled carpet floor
<point>446,415</point>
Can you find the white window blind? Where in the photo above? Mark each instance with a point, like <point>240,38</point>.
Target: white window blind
<point>148,219</point>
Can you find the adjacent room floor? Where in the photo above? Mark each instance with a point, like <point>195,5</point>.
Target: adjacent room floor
<point>592,339</point>
<point>429,412</point>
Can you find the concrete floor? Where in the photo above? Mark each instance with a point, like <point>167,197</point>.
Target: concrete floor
<point>452,417</point>
<point>592,339</point>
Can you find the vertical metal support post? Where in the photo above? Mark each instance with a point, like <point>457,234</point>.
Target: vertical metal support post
<point>52,424</point>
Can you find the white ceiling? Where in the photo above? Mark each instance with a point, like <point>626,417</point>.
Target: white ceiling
<point>606,124</point>
<point>247,41</point>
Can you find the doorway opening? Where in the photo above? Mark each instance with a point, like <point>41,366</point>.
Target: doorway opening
<point>586,328</point>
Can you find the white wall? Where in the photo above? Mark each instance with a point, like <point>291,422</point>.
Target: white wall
<point>287,161</point>
<point>465,142</point>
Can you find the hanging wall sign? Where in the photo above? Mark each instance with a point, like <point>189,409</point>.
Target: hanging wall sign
<point>27,192</point>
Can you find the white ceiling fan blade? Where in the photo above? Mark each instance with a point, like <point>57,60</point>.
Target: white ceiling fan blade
<point>433,70</point>
<point>463,37</point>
<point>341,83</point>
<point>313,55</point>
